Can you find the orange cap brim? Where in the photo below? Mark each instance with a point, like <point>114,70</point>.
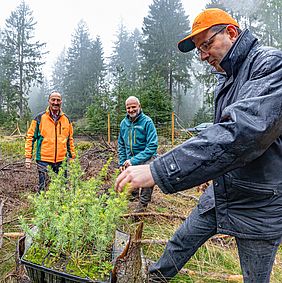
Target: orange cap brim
<point>186,44</point>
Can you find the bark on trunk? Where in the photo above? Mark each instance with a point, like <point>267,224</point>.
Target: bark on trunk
<point>128,267</point>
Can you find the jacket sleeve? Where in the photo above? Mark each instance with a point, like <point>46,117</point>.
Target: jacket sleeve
<point>121,147</point>
<point>151,145</point>
<point>30,139</point>
<point>70,144</point>
<point>247,128</point>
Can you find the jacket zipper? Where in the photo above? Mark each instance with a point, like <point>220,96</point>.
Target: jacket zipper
<point>130,141</point>
<point>56,123</point>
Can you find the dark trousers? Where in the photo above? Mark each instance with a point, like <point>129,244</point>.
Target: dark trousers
<point>42,171</point>
<point>144,194</point>
<point>256,256</point>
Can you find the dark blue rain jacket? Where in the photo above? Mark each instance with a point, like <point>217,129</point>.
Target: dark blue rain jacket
<point>242,151</point>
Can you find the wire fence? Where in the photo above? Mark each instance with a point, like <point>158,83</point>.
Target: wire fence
<point>171,131</point>
<point>170,128</point>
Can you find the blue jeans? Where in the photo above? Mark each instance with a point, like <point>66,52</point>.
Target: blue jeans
<point>42,171</point>
<point>256,256</point>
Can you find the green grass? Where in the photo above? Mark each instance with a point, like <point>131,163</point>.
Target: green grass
<point>12,149</point>
<point>7,255</point>
<point>214,262</point>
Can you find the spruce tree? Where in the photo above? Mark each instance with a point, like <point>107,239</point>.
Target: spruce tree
<point>23,57</point>
<point>125,54</point>
<point>164,26</point>
<point>84,71</point>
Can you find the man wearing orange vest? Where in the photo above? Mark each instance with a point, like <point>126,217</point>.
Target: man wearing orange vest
<point>53,132</point>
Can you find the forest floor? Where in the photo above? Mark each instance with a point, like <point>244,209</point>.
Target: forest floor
<point>16,183</point>
<point>216,261</point>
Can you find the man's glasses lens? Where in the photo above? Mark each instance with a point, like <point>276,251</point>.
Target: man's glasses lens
<point>205,46</point>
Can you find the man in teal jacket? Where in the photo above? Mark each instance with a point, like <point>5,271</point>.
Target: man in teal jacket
<point>137,144</point>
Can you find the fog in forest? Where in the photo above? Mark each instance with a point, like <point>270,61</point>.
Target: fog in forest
<point>97,69</point>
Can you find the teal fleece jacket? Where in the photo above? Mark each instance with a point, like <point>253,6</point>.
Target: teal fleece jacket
<point>138,140</point>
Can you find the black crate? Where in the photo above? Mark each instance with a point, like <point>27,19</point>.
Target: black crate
<point>41,274</point>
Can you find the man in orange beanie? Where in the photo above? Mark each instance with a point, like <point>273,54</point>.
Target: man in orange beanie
<point>241,153</point>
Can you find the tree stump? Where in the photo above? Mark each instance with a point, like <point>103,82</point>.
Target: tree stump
<point>128,267</point>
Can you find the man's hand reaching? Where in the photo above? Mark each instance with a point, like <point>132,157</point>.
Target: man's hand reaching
<point>136,177</point>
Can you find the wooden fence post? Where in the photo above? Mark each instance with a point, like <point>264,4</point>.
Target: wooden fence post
<point>109,128</point>
<point>172,128</point>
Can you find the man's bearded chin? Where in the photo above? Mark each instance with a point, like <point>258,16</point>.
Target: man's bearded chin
<point>135,114</point>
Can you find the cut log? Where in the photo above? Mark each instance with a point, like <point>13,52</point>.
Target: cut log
<point>128,266</point>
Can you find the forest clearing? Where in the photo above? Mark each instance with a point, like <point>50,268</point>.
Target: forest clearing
<point>203,93</point>
<point>216,261</point>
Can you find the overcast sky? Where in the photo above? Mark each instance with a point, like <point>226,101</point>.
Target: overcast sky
<point>57,19</point>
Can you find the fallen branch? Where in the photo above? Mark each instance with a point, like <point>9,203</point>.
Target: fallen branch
<point>4,167</point>
<point>109,146</point>
<point>17,130</point>
<point>153,242</point>
<point>13,235</point>
<point>1,221</point>
<point>10,221</point>
<point>164,241</point>
<point>188,196</point>
<point>214,275</point>
<point>14,170</point>
<point>143,214</point>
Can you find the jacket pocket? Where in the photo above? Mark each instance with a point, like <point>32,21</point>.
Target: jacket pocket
<point>244,194</point>
<point>206,201</point>
<point>255,188</point>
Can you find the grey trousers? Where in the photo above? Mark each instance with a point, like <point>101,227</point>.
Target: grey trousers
<point>256,256</point>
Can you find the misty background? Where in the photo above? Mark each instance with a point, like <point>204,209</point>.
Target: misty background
<point>95,77</point>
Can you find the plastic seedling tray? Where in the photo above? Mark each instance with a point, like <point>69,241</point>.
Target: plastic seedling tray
<point>41,274</point>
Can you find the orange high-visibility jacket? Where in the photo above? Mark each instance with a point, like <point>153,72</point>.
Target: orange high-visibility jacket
<point>54,139</point>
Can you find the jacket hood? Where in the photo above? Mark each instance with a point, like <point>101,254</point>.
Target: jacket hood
<point>237,54</point>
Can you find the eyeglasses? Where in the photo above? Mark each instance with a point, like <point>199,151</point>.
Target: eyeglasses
<point>205,46</point>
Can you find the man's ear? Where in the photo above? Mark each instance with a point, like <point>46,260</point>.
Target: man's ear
<point>232,32</point>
